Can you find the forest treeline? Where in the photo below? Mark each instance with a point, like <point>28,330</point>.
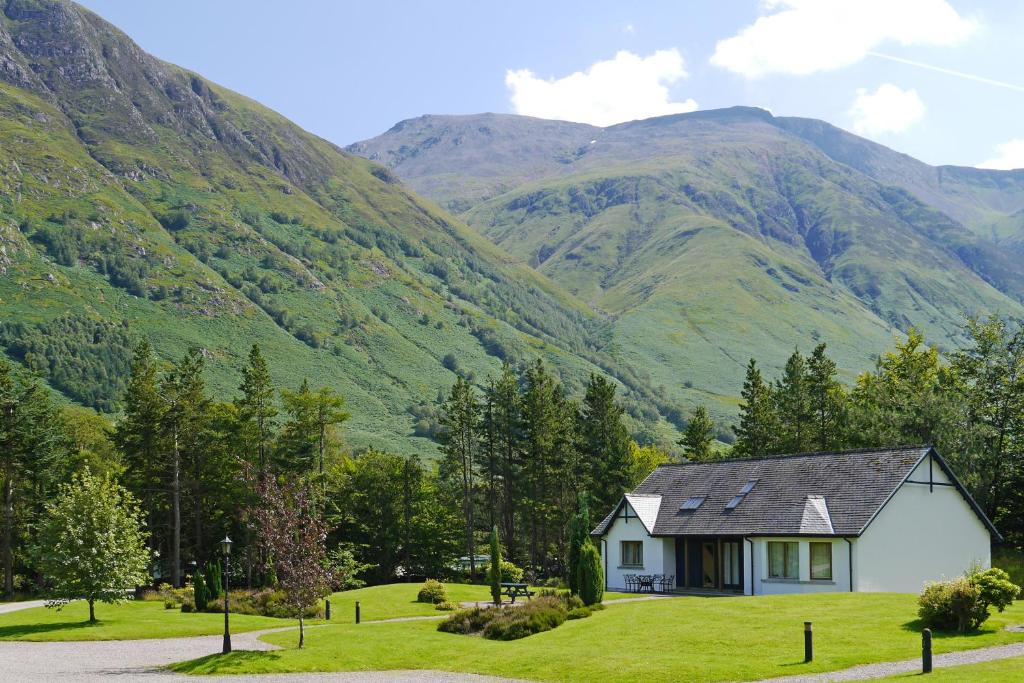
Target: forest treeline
<point>968,404</point>
<point>517,452</point>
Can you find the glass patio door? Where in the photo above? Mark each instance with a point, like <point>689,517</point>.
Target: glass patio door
<point>731,564</point>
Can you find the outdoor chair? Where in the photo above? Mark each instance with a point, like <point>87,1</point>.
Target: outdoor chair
<point>631,583</point>
<point>668,582</point>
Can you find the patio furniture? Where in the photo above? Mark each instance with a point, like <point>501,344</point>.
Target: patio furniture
<point>646,583</point>
<point>630,580</point>
<point>667,583</point>
<point>514,590</point>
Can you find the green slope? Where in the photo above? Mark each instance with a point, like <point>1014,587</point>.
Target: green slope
<point>716,236</point>
<point>136,192</point>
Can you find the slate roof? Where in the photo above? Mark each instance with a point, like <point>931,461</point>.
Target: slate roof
<point>814,493</point>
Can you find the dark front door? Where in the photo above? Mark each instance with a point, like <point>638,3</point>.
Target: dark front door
<point>693,552</point>
<point>680,562</point>
<point>709,565</point>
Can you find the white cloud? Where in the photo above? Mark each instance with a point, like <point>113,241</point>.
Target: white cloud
<point>1010,156</point>
<point>629,28</point>
<point>889,109</point>
<point>807,36</point>
<point>625,88</point>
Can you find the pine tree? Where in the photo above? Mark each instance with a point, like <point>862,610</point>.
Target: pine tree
<point>827,402</point>
<point>505,406</point>
<point>459,462</point>
<point>698,436</point>
<point>139,438</point>
<point>793,406</point>
<point>30,441</point>
<point>494,568</point>
<point>755,434</point>
<point>605,442</point>
<point>540,434</point>
<point>256,406</point>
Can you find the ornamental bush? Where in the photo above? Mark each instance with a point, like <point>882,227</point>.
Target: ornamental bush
<point>591,581</point>
<point>433,592</point>
<point>200,594</point>
<point>963,603</point>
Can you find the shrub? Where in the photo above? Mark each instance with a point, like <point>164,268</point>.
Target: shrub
<point>187,607</point>
<point>963,603</point>
<point>201,595</point>
<point>267,603</point>
<point>511,623</point>
<point>446,606</point>
<point>509,572</point>
<point>214,581</point>
<point>432,591</point>
<point>591,581</point>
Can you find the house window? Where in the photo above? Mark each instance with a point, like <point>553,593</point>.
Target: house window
<point>783,560</point>
<point>821,561</point>
<point>632,553</point>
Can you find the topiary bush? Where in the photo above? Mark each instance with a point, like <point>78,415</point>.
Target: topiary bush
<point>433,592</point>
<point>214,580</point>
<point>963,603</point>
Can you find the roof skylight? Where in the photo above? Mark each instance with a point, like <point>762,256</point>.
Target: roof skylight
<point>692,503</point>
<point>734,502</point>
<point>748,487</point>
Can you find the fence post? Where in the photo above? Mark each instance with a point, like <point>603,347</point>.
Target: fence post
<point>357,611</point>
<point>808,642</point>
<point>926,651</point>
<point>327,609</point>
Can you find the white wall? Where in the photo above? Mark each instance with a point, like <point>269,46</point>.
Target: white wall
<point>920,535</point>
<point>763,585</point>
<point>659,553</point>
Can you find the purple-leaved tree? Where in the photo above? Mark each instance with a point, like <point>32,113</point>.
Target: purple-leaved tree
<point>289,528</point>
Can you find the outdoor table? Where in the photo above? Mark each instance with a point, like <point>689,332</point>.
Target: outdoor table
<point>514,590</point>
<point>645,581</point>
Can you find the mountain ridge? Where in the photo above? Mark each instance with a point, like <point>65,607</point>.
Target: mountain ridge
<point>137,193</point>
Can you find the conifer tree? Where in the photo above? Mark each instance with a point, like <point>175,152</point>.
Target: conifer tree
<point>605,442</point>
<point>256,406</point>
<point>793,406</point>
<point>504,405</point>
<point>578,538</point>
<point>698,436</point>
<point>494,568</point>
<point>459,462</point>
<point>755,434</point>
<point>540,434</point>
<point>591,574</point>
<point>30,439</point>
<point>827,402</point>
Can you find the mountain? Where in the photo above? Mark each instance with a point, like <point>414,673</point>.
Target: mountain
<point>711,237</point>
<point>140,200</point>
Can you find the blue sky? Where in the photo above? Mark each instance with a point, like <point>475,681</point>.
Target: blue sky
<point>350,70</point>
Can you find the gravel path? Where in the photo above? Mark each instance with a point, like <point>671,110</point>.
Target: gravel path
<point>883,669</point>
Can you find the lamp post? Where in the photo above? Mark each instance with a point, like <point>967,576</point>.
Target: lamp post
<point>225,547</point>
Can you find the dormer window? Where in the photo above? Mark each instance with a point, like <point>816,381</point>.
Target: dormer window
<point>692,503</point>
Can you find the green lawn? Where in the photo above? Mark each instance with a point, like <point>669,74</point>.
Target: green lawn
<point>691,638</point>
<point>129,620</point>
<point>396,600</point>
<point>999,671</point>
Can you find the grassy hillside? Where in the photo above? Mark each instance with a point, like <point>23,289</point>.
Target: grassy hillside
<point>139,194</point>
<point>712,237</point>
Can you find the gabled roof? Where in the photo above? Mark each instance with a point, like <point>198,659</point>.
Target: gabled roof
<point>807,494</point>
<point>646,508</point>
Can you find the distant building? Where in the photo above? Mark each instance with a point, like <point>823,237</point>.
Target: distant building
<point>868,520</point>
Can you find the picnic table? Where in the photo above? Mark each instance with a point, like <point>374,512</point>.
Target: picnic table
<point>514,590</point>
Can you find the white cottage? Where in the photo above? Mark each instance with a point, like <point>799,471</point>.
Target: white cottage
<point>867,520</point>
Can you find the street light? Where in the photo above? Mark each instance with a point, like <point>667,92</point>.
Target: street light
<point>225,547</point>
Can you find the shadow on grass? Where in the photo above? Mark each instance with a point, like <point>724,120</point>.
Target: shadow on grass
<point>21,631</point>
<point>916,626</point>
<point>240,660</point>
